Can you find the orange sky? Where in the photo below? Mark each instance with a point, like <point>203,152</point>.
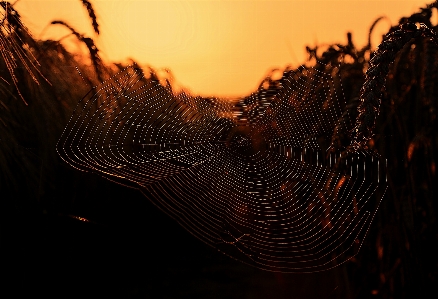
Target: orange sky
<point>221,48</point>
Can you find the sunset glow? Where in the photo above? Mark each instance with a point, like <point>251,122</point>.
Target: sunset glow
<point>221,48</point>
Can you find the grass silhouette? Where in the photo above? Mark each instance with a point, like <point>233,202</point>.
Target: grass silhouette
<point>41,83</point>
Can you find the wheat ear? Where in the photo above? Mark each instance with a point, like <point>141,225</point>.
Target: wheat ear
<point>371,91</point>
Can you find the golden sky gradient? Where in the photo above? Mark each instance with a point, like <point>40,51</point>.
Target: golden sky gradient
<point>221,48</point>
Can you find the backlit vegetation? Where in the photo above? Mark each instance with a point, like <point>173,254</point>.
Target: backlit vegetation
<point>394,86</point>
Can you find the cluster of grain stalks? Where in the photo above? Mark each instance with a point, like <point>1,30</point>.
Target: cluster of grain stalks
<point>41,83</point>
<point>15,44</point>
<point>377,72</point>
<point>392,93</point>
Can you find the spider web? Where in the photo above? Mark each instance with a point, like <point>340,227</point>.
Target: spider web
<point>263,179</point>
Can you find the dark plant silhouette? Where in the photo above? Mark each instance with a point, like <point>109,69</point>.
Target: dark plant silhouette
<point>89,43</point>
<point>15,43</point>
<point>87,4</point>
<point>397,100</point>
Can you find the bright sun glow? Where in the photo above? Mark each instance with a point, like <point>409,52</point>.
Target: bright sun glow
<point>221,48</point>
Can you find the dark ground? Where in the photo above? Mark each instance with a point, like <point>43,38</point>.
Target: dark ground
<point>135,250</point>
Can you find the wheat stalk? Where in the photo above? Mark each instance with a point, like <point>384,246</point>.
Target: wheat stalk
<point>89,43</point>
<point>92,15</point>
<point>371,92</point>
<point>15,46</point>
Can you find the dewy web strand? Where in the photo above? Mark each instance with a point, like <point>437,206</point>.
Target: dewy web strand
<point>265,179</point>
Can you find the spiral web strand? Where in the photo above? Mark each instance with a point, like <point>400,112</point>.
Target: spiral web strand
<point>257,178</point>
